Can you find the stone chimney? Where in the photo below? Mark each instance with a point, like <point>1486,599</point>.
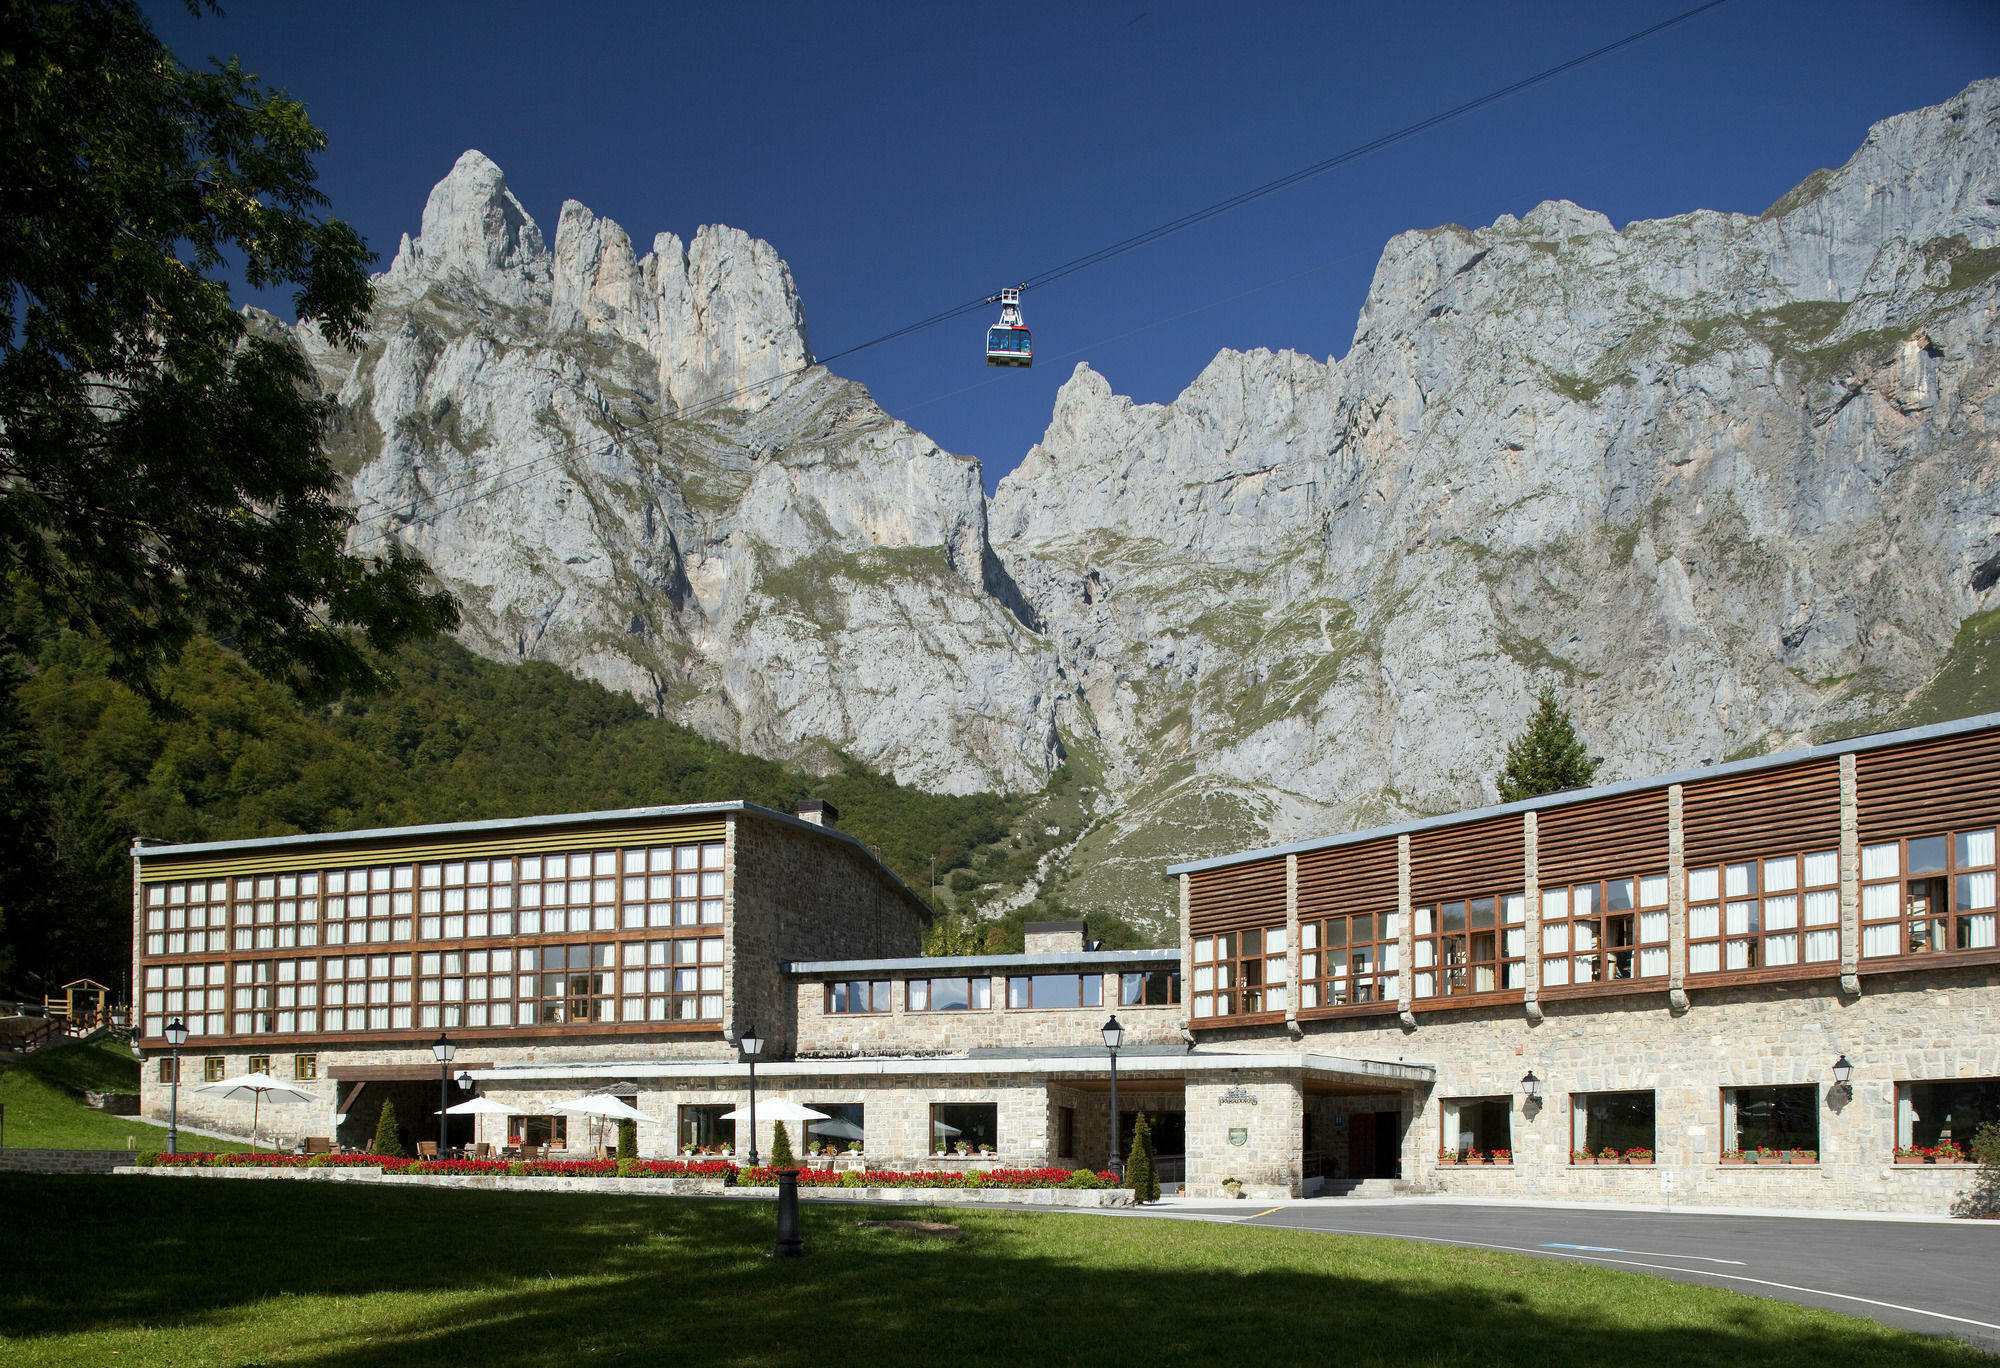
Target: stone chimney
<point>1054,938</point>
<point>821,813</point>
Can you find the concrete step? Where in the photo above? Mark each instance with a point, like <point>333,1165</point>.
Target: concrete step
<point>1363,1187</point>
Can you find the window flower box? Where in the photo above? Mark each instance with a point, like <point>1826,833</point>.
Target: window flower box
<point>1732,1156</point>
<point>1446,1158</point>
<point>1582,1157</point>
<point>1608,1155</point>
<point>1475,1157</point>
<point>1910,1155</point>
<point>1638,1156</point>
<point>1805,1156</point>
<point>1503,1158</point>
<point>1948,1152</point>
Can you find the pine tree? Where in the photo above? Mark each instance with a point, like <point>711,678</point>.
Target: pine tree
<point>1547,757</point>
<point>388,1134</point>
<point>781,1149</point>
<point>628,1139</point>
<point>1139,1172</point>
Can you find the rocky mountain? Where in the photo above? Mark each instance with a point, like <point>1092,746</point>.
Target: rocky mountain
<point>1732,480</point>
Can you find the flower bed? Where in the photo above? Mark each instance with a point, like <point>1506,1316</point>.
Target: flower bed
<point>954,1178</point>
<point>204,1159</point>
<point>729,1173</point>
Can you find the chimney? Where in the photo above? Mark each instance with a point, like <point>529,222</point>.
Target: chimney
<point>819,812</point>
<point>1054,938</point>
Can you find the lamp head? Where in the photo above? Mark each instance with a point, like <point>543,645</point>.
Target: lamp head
<point>444,1048</point>
<point>1842,1071</point>
<point>1531,1086</point>
<point>177,1033</point>
<point>749,1041</point>
<point>1113,1034</point>
<point>464,1080</point>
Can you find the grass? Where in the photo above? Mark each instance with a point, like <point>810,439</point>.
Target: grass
<point>190,1273</point>
<point>45,1109</point>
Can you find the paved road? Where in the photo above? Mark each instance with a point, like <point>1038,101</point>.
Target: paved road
<point>1939,1279</point>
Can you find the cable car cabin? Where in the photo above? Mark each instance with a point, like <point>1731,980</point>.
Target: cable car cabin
<point>1007,346</point>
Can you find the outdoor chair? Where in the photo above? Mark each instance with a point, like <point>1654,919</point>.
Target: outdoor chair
<point>482,1150</point>
<point>427,1149</point>
<point>318,1144</point>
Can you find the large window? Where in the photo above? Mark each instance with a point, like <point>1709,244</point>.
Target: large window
<point>703,1127</point>
<point>549,1131</point>
<point>965,1127</point>
<point>1474,945</point>
<point>1240,973</point>
<point>859,995</point>
<point>1770,1118</point>
<point>195,993</point>
<point>1485,1124</point>
<point>845,1127</point>
<point>1617,1121</point>
<point>950,994</point>
<point>1603,931</point>
<point>1153,988</point>
<point>1764,913</point>
<point>1928,894</point>
<point>1928,1114</point>
<point>373,992</point>
<point>465,899</point>
<point>465,988</point>
<point>1348,959</point>
<point>1056,990</point>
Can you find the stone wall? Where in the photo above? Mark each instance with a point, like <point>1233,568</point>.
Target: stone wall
<point>61,1161</point>
<point>900,1031</point>
<point>1250,1127</point>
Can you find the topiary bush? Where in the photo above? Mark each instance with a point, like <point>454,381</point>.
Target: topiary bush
<point>781,1149</point>
<point>628,1139</point>
<point>388,1134</point>
<point>1139,1172</point>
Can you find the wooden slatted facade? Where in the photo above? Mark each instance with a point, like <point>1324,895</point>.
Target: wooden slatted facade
<point>1355,878</point>
<point>1237,897</point>
<point>1762,813</point>
<point>1930,786</point>
<point>1459,861</point>
<point>1604,838</point>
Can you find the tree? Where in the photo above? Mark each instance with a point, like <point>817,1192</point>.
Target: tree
<point>161,462</point>
<point>388,1133</point>
<point>781,1149</point>
<point>628,1139</point>
<point>1547,757</point>
<point>1140,1174</point>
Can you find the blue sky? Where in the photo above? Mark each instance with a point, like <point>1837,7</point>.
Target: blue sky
<point>904,158</point>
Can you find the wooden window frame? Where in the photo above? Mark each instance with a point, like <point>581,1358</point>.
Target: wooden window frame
<point>1381,982</point>
<point>1618,965</point>
<point>1238,966</point>
<point>1133,985</point>
<point>558,1128</point>
<point>305,1067</point>
<point>1944,930</point>
<point>1083,982</point>
<point>878,993</point>
<point>1905,1134</point>
<point>258,1063</point>
<point>940,1144</point>
<point>1432,934</point>
<point>1583,1098</point>
<point>972,984</point>
<point>1446,1104</point>
<point>214,1068</point>
<point>1754,906</point>
<point>1728,1140</point>
<point>169,1066</point>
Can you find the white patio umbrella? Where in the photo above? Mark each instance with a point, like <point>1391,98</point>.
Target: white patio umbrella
<point>777,1109</point>
<point>599,1106</point>
<point>476,1108</point>
<point>255,1086</point>
<point>846,1130</point>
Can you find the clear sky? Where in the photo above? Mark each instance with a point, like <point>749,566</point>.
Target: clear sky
<point>904,158</point>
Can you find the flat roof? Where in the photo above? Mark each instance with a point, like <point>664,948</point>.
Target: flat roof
<point>311,839</point>
<point>1052,1060</point>
<point>1853,745</point>
<point>946,965</point>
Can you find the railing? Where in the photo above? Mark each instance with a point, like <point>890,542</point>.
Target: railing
<point>1315,1164</point>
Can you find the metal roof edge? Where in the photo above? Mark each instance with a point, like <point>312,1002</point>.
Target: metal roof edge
<point>917,1065</point>
<point>1852,745</point>
<point>1080,958</point>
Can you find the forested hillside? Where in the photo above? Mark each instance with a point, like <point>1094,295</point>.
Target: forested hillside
<point>88,767</point>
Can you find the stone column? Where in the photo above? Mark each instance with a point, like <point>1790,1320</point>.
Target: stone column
<point>1292,944</point>
<point>1850,878</point>
<point>1531,891</point>
<point>1677,905</point>
<point>1406,936</point>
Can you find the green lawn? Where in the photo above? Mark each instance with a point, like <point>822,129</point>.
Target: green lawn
<point>195,1272</point>
<point>45,1110</point>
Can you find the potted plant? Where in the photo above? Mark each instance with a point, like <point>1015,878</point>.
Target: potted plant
<point>1232,1187</point>
<point>1447,1156</point>
<point>1582,1156</point>
<point>1766,1155</point>
<point>1948,1152</point>
<point>1608,1155</point>
<point>1503,1156</point>
<point>1805,1156</point>
<point>1909,1154</point>
<point>1638,1155</point>
<point>1732,1156</point>
<point>1473,1156</point>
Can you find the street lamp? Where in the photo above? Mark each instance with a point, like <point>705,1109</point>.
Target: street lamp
<point>1531,1087</point>
<point>1113,1035</point>
<point>752,1045</point>
<point>444,1049</point>
<point>177,1034</point>
<point>1843,1074</point>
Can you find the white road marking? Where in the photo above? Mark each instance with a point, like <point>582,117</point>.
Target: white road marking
<point>1648,1253</point>
<point>1667,1268</point>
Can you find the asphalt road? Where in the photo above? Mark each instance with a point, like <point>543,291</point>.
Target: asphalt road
<point>1934,1278</point>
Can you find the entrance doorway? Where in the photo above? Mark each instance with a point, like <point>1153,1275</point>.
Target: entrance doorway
<point>1375,1144</point>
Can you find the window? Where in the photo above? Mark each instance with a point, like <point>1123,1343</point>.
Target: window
<point>845,1128</point>
<point>1607,930</point>
<point>1240,972</point>
<point>1617,1121</point>
<point>1928,894</point>
<point>704,1129</point>
<point>672,980</point>
<point>305,1066</point>
<point>552,1131</point>
<point>964,1127</point>
<point>1463,947</point>
<point>1770,1118</point>
<point>1152,988</point>
<point>1485,1124</point>
<point>949,995</point>
<point>169,1066</point>
<point>858,996</point>
<point>1066,1133</point>
<point>1056,990</point>
<point>195,993</point>
<point>1928,1114</point>
<point>213,1069</point>
<point>259,1064</point>
<point>1347,960</point>
<point>367,992</point>
<point>1764,913</point>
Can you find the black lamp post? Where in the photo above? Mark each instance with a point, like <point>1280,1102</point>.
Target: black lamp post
<point>177,1034</point>
<point>444,1049</point>
<point>1843,1075</point>
<point>752,1045</point>
<point>1114,1034</point>
<point>1531,1088</point>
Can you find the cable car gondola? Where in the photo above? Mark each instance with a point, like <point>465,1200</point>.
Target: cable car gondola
<point>1008,342</point>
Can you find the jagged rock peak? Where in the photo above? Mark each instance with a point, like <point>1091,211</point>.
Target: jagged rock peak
<point>473,226</point>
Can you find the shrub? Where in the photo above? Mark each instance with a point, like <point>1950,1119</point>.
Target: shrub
<point>852,1179</point>
<point>1983,1197</point>
<point>388,1137</point>
<point>781,1149</point>
<point>1084,1179</point>
<point>628,1139</point>
<point>1139,1173</point>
